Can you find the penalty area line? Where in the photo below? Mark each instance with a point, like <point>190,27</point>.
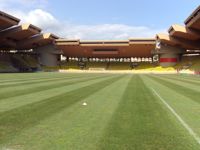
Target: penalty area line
<point>184,124</point>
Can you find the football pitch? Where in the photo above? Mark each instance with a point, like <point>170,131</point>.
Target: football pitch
<point>45,111</point>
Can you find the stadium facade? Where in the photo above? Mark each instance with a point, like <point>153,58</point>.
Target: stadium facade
<point>47,48</point>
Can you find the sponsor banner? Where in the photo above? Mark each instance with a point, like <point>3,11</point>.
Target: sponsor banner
<point>172,60</point>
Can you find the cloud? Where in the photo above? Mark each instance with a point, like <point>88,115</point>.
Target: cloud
<point>108,31</point>
<point>42,19</point>
<point>65,29</point>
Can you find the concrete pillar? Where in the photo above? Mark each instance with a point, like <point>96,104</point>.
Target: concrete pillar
<point>168,59</point>
<point>168,55</point>
<point>48,55</point>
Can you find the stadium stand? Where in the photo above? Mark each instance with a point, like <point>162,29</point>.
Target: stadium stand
<point>24,63</point>
<point>32,62</point>
<point>6,65</point>
<point>26,39</point>
<point>70,65</point>
<point>29,49</point>
<point>189,62</point>
<point>120,66</point>
<point>97,65</point>
<point>146,66</point>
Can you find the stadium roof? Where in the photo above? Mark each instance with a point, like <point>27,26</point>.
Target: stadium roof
<point>187,37</point>
<point>179,42</point>
<point>37,41</point>
<point>106,48</point>
<point>11,36</point>
<point>21,37</point>
<point>7,20</point>
<point>20,32</point>
<point>28,36</point>
<point>193,21</point>
<point>183,32</point>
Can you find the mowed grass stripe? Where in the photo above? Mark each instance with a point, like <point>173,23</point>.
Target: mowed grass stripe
<point>32,88</point>
<point>178,78</point>
<point>27,116</point>
<point>141,123</point>
<point>22,76</point>
<point>35,76</point>
<point>180,83</point>
<point>38,76</point>
<point>46,79</point>
<point>22,87</point>
<point>76,127</point>
<point>187,77</point>
<point>179,118</point>
<point>183,105</point>
<point>182,89</point>
<point>192,77</point>
<point>27,82</point>
<point>21,100</point>
<point>25,79</point>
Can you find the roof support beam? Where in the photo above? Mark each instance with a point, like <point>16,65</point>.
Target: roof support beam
<point>7,20</point>
<point>193,21</point>
<point>17,29</point>
<point>183,32</point>
<point>174,41</point>
<point>8,43</point>
<point>36,41</point>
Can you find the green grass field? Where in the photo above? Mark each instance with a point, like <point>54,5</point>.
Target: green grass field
<point>44,111</point>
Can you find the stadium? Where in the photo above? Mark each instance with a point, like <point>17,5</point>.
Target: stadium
<point>60,93</point>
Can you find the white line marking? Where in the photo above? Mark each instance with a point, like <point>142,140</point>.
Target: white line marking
<point>192,133</point>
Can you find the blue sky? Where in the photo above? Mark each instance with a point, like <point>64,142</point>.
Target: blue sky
<point>158,13</point>
<point>101,19</point>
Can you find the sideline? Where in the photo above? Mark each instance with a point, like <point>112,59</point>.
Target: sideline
<point>187,127</point>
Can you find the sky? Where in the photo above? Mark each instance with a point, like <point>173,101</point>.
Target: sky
<point>101,19</point>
